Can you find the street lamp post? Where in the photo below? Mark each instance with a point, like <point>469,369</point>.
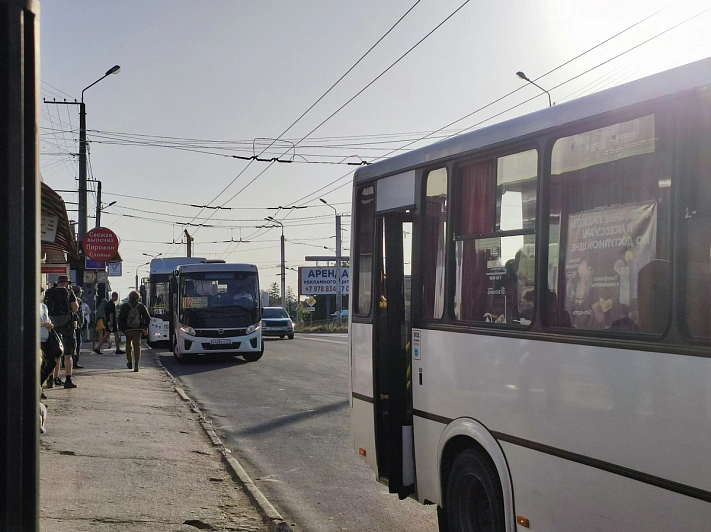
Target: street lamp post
<point>140,266</point>
<point>339,297</point>
<point>82,157</point>
<point>99,206</point>
<point>283,272</point>
<point>523,77</point>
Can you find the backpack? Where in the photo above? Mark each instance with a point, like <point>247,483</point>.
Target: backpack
<point>79,315</point>
<point>57,301</point>
<point>101,309</point>
<point>134,318</point>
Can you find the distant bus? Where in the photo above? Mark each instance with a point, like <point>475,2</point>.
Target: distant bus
<point>215,307</point>
<point>550,368</point>
<point>156,300</point>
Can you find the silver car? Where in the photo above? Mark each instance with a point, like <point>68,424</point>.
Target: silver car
<point>276,322</point>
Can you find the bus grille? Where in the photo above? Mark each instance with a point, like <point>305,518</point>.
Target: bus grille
<point>215,333</point>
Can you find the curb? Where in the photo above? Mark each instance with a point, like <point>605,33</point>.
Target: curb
<point>271,515</point>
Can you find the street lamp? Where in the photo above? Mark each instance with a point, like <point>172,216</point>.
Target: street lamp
<point>283,272</point>
<point>339,297</point>
<point>152,256</point>
<point>82,158</point>
<point>139,266</point>
<point>523,77</point>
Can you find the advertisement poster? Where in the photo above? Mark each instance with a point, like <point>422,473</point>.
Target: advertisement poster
<point>606,250</point>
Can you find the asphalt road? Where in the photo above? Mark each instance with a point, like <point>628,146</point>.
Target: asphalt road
<point>286,418</point>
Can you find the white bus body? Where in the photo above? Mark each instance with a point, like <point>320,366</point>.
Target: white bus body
<point>215,309</point>
<point>550,368</point>
<point>157,295</point>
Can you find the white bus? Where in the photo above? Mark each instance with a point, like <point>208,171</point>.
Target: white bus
<point>550,368</point>
<point>157,295</point>
<point>215,309</point>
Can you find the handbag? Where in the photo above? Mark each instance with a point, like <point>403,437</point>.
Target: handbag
<point>100,324</point>
<point>55,346</point>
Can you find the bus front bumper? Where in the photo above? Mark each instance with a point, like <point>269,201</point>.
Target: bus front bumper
<point>238,344</point>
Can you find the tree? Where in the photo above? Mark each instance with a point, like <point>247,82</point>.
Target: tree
<point>291,300</point>
<point>274,295</point>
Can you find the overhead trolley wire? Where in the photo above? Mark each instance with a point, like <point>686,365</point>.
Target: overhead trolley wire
<point>369,84</point>
<point>429,135</point>
<point>305,112</point>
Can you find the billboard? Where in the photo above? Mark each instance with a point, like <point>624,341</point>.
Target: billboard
<point>318,280</point>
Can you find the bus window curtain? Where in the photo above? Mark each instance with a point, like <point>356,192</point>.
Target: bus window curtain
<point>475,217</point>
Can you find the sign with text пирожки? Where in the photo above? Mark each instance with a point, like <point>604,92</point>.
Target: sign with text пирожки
<point>100,244</point>
<point>318,280</point>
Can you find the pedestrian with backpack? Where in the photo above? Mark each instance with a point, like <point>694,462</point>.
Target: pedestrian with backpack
<point>62,305</point>
<point>79,317</point>
<point>133,321</point>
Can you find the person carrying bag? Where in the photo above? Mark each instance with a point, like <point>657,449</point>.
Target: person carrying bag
<point>62,305</point>
<point>133,321</point>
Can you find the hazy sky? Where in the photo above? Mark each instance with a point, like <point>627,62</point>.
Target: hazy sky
<point>202,81</point>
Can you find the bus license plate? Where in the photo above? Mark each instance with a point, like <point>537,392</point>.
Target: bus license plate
<point>221,341</point>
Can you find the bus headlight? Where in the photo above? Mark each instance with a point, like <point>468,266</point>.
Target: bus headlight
<point>187,330</point>
<point>253,328</point>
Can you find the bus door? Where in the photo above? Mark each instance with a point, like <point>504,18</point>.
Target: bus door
<point>393,397</point>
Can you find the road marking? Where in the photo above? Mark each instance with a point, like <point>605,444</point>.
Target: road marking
<point>324,340</point>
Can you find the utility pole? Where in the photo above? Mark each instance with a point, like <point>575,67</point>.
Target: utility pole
<point>189,242</point>
<point>283,265</point>
<point>339,294</point>
<point>98,204</point>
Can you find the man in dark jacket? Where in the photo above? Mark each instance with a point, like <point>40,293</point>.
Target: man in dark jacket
<point>62,305</point>
<point>133,320</point>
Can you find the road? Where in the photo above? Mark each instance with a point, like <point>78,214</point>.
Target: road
<point>286,418</point>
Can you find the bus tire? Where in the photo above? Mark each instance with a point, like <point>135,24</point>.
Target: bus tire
<point>474,498</point>
<point>252,357</point>
<point>179,358</point>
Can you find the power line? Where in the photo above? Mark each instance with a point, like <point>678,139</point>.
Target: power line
<point>480,109</point>
<point>309,109</point>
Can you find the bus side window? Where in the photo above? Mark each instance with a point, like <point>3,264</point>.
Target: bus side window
<point>434,244</point>
<point>609,226</point>
<point>365,212</point>
<point>495,245</point>
<point>696,269</point>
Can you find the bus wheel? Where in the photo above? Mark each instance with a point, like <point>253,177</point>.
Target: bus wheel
<point>474,500</point>
<point>252,357</point>
<point>177,357</point>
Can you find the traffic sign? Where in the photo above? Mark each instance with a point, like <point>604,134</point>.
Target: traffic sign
<point>311,301</point>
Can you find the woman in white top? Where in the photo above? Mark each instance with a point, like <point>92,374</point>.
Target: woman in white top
<point>45,322</point>
<point>48,362</point>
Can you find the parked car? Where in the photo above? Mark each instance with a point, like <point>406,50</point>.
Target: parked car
<point>344,315</point>
<point>276,322</point>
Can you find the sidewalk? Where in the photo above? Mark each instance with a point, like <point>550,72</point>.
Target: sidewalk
<point>123,452</point>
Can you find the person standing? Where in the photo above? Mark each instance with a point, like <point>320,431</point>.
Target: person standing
<point>80,325</point>
<point>62,305</point>
<point>86,314</point>
<point>48,358</point>
<point>133,321</point>
<point>111,324</point>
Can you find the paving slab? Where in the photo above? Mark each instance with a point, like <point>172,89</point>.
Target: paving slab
<point>123,452</point>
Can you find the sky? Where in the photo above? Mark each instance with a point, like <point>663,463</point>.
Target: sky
<point>203,82</point>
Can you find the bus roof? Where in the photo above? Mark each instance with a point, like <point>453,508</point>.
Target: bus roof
<point>683,78</point>
<point>217,267</point>
<point>169,264</point>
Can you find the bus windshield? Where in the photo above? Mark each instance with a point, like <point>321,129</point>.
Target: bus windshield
<point>210,296</point>
<point>158,295</point>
